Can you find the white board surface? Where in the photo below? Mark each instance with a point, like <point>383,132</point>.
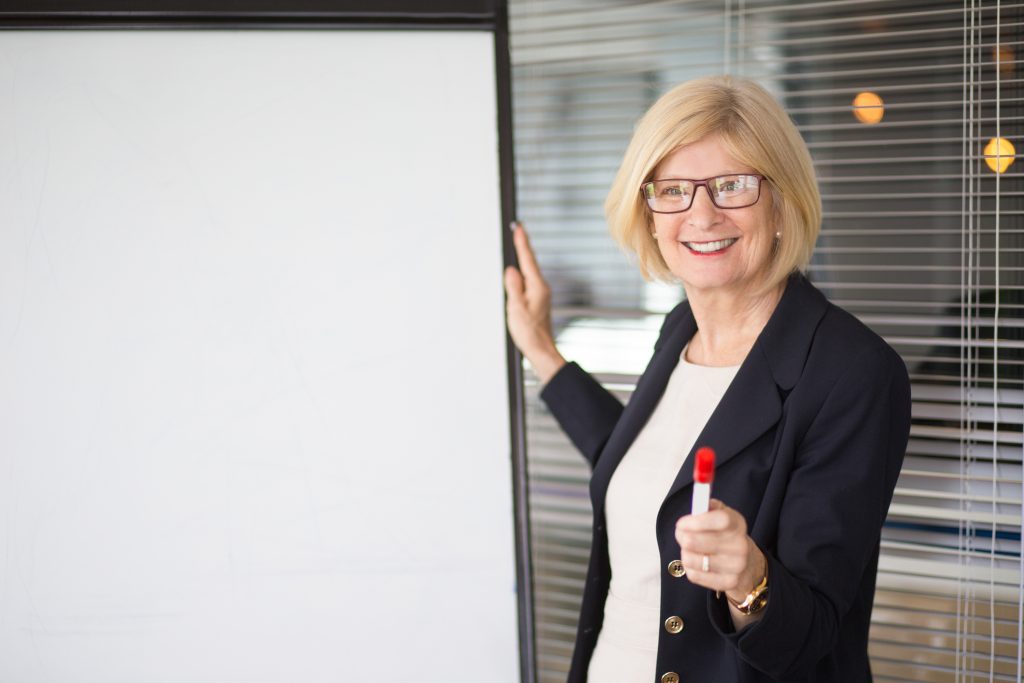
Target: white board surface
<point>253,406</point>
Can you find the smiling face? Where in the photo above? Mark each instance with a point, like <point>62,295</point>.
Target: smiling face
<point>713,250</point>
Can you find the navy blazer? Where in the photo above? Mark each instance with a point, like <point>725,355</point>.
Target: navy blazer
<point>810,437</point>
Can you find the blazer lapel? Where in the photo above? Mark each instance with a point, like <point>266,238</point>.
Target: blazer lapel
<point>641,404</point>
<point>753,402</point>
<point>750,407</point>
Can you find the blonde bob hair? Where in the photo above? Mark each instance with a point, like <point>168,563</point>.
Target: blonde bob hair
<point>756,131</point>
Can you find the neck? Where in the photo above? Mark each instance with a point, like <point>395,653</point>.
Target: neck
<point>728,323</point>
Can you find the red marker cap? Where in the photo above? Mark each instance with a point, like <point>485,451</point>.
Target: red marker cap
<point>704,467</point>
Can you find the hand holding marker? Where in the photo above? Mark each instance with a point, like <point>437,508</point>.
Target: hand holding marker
<point>703,473</point>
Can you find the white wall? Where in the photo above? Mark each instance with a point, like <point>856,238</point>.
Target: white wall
<point>253,413</point>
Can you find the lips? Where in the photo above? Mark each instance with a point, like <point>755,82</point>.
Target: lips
<point>710,247</point>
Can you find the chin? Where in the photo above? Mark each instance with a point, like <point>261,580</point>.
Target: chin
<point>711,282</point>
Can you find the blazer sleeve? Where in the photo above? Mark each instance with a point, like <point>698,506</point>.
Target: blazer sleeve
<point>586,411</point>
<point>830,522</point>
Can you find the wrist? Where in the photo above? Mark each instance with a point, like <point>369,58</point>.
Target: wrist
<point>547,364</point>
<point>756,572</point>
<point>754,600</point>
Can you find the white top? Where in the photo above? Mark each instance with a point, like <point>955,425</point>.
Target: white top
<point>627,646</point>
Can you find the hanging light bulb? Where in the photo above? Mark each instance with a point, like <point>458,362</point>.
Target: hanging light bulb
<point>868,107</point>
<point>1005,58</point>
<point>999,154</point>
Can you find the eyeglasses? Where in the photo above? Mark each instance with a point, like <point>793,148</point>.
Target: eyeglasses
<point>675,195</point>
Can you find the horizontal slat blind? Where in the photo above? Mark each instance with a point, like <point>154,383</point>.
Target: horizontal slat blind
<point>920,239</point>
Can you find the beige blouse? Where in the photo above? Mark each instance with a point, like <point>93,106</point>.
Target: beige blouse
<point>628,643</point>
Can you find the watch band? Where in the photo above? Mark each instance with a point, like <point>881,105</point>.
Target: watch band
<point>756,599</point>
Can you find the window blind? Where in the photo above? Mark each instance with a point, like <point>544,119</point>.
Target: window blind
<point>921,239</point>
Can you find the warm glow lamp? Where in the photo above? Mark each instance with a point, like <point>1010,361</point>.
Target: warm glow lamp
<point>999,154</point>
<point>1005,58</point>
<point>868,107</point>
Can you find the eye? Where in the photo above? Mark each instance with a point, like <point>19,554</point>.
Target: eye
<point>730,184</point>
<point>734,184</point>
<point>673,190</point>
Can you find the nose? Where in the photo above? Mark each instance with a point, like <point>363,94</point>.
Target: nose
<point>703,213</point>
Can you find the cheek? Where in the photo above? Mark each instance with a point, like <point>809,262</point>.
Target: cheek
<point>759,229</point>
<point>666,232</point>
<point>664,224</point>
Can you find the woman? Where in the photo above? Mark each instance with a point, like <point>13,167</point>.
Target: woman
<point>807,409</point>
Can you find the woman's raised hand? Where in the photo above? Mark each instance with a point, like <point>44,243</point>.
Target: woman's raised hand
<point>734,562</point>
<point>528,310</point>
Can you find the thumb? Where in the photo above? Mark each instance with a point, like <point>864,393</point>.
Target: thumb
<point>513,283</point>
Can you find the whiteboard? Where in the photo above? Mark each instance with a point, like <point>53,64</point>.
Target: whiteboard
<point>253,401</point>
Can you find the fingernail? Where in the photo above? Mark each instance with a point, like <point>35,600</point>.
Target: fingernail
<point>513,225</point>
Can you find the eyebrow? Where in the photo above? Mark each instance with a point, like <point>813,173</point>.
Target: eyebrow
<point>717,175</point>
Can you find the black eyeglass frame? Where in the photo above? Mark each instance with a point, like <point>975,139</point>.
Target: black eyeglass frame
<point>704,183</point>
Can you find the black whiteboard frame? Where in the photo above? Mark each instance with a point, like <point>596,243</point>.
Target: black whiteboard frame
<point>278,14</point>
<point>477,15</point>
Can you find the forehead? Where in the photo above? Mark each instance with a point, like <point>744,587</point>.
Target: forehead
<point>702,159</point>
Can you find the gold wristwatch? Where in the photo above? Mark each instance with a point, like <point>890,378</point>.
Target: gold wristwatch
<point>756,599</point>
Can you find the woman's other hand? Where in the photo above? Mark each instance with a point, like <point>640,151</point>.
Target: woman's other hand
<point>735,564</point>
<point>528,310</point>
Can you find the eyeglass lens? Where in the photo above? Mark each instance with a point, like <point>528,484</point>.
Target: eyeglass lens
<point>727,192</point>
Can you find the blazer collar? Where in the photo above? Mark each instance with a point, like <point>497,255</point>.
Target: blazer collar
<point>753,402</point>
<point>786,340</point>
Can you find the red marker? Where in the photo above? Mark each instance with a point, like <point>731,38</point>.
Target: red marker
<point>703,473</point>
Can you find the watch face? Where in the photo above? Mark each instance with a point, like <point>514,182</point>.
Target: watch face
<point>755,600</point>
<point>758,603</point>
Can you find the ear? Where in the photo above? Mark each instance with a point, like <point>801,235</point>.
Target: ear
<point>777,222</point>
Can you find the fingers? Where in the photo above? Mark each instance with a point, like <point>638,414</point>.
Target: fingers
<point>724,571</point>
<point>727,563</point>
<point>514,285</point>
<point>526,283</point>
<point>720,535</point>
<point>709,543</point>
<point>528,311</point>
<point>525,256</point>
<point>718,530</point>
<point>719,517</point>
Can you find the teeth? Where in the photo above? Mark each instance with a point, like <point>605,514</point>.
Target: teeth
<point>708,247</point>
